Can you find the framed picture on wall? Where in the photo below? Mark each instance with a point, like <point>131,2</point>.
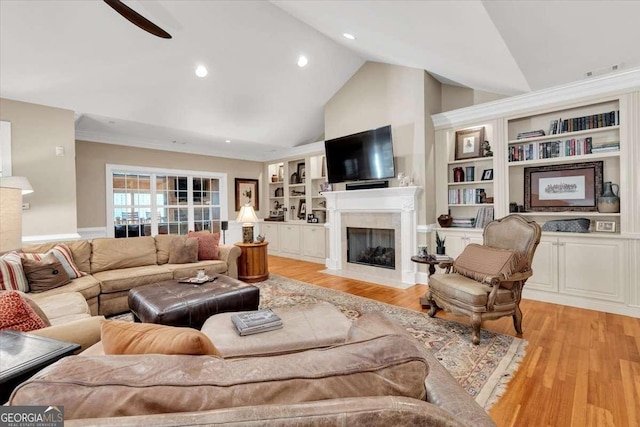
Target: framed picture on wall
<point>247,192</point>
<point>469,143</point>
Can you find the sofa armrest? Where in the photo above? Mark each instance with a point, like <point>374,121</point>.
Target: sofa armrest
<point>445,392</point>
<point>230,255</point>
<point>85,332</point>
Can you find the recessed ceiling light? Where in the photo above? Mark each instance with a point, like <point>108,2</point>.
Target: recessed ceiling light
<point>302,61</point>
<point>111,122</point>
<point>228,141</point>
<point>348,36</point>
<point>201,71</point>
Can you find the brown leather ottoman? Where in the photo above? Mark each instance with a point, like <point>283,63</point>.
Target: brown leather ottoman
<point>182,304</point>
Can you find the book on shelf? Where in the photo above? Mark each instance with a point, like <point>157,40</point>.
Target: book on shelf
<point>465,196</point>
<point>551,149</point>
<point>592,121</point>
<point>463,222</point>
<point>255,322</point>
<point>484,216</point>
<point>530,134</point>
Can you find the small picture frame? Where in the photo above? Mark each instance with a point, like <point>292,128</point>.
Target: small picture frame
<point>606,226</point>
<point>301,173</point>
<point>487,175</point>
<point>469,143</point>
<point>302,209</point>
<point>325,186</point>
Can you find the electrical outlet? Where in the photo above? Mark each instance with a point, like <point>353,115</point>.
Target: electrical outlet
<point>26,206</point>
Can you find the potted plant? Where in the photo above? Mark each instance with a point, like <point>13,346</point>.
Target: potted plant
<point>440,249</point>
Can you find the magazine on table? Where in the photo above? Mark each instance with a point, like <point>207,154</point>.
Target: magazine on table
<point>256,321</point>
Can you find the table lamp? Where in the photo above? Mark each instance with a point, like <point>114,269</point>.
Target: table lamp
<point>247,217</point>
<point>20,182</point>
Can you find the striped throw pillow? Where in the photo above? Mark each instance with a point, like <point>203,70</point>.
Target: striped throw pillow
<point>12,277</point>
<point>63,254</point>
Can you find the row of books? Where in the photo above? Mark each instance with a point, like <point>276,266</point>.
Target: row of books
<point>465,196</point>
<point>550,149</point>
<point>484,216</point>
<point>530,134</point>
<point>592,121</point>
<point>256,321</point>
<point>463,222</point>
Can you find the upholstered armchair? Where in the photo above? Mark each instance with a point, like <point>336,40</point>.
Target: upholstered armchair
<point>485,282</point>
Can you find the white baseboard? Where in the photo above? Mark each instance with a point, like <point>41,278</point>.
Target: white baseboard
<point>585,303</point>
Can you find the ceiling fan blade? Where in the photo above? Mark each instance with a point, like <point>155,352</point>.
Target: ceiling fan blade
<point>137,19</point>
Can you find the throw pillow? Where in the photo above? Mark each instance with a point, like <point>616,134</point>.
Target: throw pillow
<point>183,251</point>
<point>479,262</point>
<point>120,337</point>
<point>11,274</point>
<point>208,244</point>
<point>17,314</point>
<point>45,274</point>
<point>63,254</point>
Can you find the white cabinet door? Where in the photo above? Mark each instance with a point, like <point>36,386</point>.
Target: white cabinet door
<point>272,235</point>
<point>313,241</point>
<point>457,240</point>
<point>592,268</point>
<point>545,266</point>
<point>290,239</point>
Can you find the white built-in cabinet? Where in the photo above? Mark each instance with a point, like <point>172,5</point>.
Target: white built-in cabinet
<point>596,270</point>
<point>293,192</point>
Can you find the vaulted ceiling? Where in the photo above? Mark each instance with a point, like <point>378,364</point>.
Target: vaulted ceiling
<point>129,87</point>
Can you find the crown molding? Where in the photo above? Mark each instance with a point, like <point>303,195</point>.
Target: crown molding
<point>612,84</point>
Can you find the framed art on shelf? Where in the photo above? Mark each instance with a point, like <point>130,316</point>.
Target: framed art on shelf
<point>301,173</point>
<point>247,192</point>
<point>469,143</point>
<point>302,209</point>
<point>487,174</point>
<point>558,188</point>
<point>606,226</point>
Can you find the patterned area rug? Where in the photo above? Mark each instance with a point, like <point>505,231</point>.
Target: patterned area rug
<point>482,370</point>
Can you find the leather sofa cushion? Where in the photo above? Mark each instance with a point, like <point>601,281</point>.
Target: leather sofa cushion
<point>120,337</point>
<point>63,307</point>
<point>88,286</point>
<point>126,278</point>
<point>112,254</point>
<point>360,412</point>
<point>304,326</point>
<point>148,384</point>
<point>471,294</point>
<point>80,251</point>
<point>479,262</point>
<point>163,244</point>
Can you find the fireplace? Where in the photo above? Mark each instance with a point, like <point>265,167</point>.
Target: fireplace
<point>392,208</point>
<point>371,246</point>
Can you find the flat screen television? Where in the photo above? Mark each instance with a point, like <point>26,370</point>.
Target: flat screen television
<point>362,156</point>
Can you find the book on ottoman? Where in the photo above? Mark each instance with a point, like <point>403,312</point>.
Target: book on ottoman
<point>256,322</point>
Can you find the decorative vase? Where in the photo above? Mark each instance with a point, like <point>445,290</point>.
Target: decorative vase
<point>609,202</point>
<point>445,220</point>
<point>440,250</point>
<point>458,175</point>
<point>470,172</point>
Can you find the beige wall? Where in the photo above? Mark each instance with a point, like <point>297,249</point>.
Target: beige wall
<point>36,131</point>
<point>92,159</point>
<point>381,94</point>
<point>454,97</point>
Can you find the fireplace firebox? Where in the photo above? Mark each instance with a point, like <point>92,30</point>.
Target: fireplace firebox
<point>371,246</point>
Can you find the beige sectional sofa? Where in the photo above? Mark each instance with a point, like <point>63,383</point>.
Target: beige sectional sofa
<point>114,266</point>
<point>379,375</point>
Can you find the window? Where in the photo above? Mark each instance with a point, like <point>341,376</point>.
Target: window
<point>146,202</point>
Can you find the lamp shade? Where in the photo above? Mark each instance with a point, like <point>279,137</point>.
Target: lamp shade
<point>20,182</point>
<point>10,219</point>
<point>247,215</point>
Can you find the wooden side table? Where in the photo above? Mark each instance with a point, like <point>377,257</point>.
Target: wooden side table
<point>432,269</point>
<point>253,265</point>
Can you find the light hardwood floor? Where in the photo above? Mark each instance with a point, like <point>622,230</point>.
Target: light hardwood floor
<point>582,367</point>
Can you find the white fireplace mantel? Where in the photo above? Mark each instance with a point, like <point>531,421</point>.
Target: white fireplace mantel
<point>401,200</point>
